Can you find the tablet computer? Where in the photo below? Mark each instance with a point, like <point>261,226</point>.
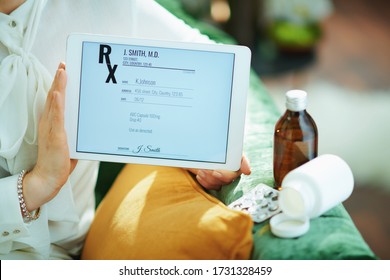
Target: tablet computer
<point>156,102</point>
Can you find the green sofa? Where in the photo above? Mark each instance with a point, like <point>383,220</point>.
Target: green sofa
<point>331,236</point>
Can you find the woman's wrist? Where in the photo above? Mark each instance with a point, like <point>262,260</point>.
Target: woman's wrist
<point>28,213</point>
<point>33,191</point>
<point>39,189</point>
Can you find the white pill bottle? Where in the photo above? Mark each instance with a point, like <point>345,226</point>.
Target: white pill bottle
<point>310,190</point>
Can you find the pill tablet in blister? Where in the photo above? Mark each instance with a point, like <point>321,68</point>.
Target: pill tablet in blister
<point>268,193</point>
<point>273,207</point>
<point>260,203</point>
<point>264,204</point>
<point>259,218</point>
<point>246,203</point>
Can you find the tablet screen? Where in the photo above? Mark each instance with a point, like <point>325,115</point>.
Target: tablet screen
<point>156,102</point>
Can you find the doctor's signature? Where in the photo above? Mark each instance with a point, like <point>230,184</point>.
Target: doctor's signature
<point>146,149</point>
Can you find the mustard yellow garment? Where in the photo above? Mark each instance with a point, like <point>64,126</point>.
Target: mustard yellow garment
<point>162,213</point>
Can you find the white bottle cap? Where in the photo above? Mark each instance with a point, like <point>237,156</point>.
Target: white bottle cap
<point>296,100</point>
<point>287,227</point>
<point>294,220</point>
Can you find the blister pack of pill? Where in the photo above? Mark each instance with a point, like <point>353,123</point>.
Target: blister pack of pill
<point>261,203</point>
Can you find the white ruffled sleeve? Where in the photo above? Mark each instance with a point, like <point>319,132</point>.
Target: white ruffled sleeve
<point>15,233</point>
<point>11,221</point>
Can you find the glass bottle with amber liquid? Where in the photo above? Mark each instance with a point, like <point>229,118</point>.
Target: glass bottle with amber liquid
<point>295,137</point>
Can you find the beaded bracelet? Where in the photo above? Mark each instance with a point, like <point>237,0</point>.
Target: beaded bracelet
<point>27,216</point>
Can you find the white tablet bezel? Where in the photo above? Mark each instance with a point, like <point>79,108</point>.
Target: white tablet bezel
<point>240,85</point>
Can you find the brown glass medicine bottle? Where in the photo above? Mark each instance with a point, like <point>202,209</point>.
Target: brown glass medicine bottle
<point>295,137</point>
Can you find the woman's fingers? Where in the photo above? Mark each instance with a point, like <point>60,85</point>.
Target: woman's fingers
<point>53,161</point>
<point>245,166</point>
<point>58,85</point>
<point>215,179</point>
<point>57,106</point>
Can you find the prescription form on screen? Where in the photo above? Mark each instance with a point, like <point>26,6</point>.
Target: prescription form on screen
<point>154,102</point>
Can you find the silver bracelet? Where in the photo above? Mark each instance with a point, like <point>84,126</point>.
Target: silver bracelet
<point>27,216</point>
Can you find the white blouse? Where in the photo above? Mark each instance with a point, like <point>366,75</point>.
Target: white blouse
<point>32,43</point>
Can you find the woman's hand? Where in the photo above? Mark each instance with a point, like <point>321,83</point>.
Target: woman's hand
<point>53,166</point>
<point>215,179</point>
